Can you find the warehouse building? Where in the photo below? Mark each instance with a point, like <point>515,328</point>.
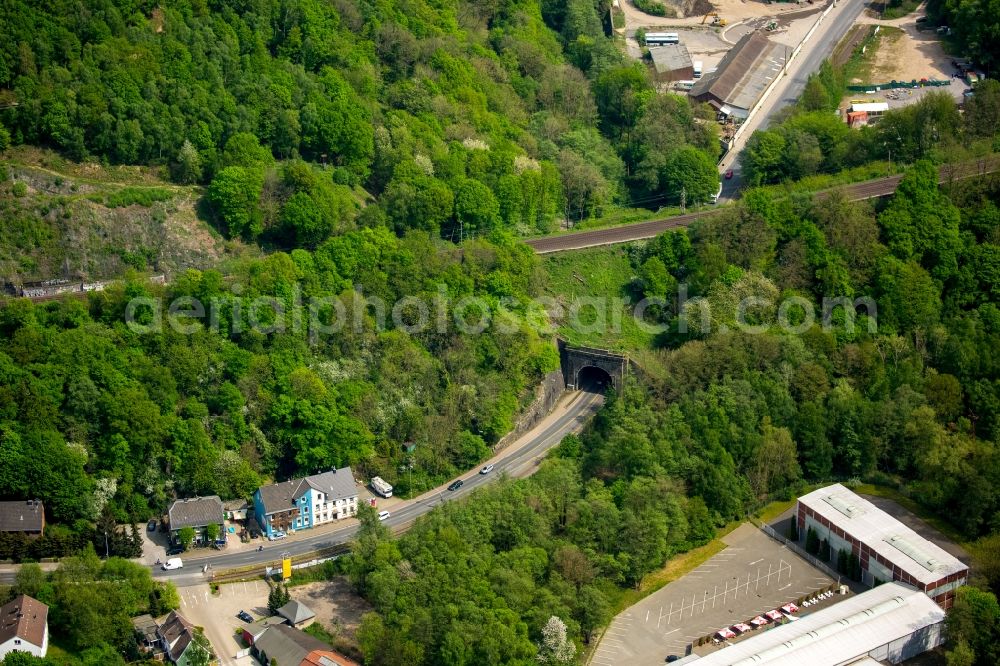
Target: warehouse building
<point>890,623</point>
<point>887,549</point>
<point>672,62</point>
<point>742,76</point>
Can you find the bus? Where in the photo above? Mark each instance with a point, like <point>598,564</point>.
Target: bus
<point>661,38</point>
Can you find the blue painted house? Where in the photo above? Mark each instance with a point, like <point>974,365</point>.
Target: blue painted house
<point>299,504</point>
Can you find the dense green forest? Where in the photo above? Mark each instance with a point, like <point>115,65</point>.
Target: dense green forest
<point>975,28</point>
<point>455,117</point>
<point>727,419</point>
<point>96,415</point>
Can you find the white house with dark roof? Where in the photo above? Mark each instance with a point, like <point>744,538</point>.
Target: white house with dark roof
<point>180,639</point>
<point>197,513</point>
<point>24,627</point>
<point>300,504</point>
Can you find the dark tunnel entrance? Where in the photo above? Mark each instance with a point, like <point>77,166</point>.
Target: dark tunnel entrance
<point>594,379</point>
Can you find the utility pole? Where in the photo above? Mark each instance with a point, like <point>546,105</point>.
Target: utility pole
<point>684,193</point>
<point>106,550</point>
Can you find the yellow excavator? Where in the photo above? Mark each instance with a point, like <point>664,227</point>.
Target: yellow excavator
<point>716,20</point>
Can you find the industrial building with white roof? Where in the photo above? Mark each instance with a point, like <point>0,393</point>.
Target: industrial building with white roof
<point>888,549</point>
<point>890,623</point>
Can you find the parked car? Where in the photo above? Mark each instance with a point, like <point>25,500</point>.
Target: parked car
<point>382,515</point>
<point>245,616</point>
<point>486,470</point>
<point>729,174</point>
<point>173,563</point>
<point>175,550</point>
<point>151,527</point>
<point>276,535</point>
<point>672,658</point>
<point>455,485</point>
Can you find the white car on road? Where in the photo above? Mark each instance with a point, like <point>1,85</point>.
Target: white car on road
<point>382,515</point>
<point>173,563</point>
<point>486,470</point>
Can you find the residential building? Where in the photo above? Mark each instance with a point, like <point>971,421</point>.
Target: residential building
<point>236,510</point>
<point>672,62</point>
<point>24,627</point>
<point>196,513</point>
<point>887,549</point>
<point>890,623</point>
<point>741,77</point>
<point>146,633</point>
<point>300,504</point>
<point>287,646</point>
<point>24,516</point>
<point>179,639</point>
<point>297,614</point>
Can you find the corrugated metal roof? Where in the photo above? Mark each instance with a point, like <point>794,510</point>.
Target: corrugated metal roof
<point>894,542</point>
<point>670,58</point>
<point>743,73</point>
<point>837,633</point>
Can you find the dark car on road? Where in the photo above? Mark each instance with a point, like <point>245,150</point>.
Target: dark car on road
<point>245,616</point>
<point>455,485</point>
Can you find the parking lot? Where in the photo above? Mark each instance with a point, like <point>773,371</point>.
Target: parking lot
<point>216,613</point>
<point>752,575</point>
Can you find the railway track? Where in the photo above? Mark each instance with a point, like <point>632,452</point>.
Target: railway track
<point>871,189</point>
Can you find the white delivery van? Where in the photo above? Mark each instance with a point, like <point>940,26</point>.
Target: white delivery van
<point>173,563</point>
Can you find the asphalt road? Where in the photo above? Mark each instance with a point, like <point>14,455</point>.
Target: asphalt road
<point>869,189</point>
<point>809,59</point>
<point>570,416</point>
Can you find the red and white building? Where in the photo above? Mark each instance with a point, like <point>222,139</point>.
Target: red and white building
<point>888,549</point>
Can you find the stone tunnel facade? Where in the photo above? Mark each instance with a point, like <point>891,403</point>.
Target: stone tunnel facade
<point>575,360</point>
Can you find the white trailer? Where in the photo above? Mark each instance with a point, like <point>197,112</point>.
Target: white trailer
<point>380,487</point>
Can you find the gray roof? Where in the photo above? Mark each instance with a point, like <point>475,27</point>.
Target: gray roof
<point>743,73</point>
<point>296,612</point>
<point>176,633</point>
<point>840,633</point>
<point>146,625</point>
<point>336,484</point>
<point>670,58</point>
<point>22,516</point>
<point>287,645</point>
<point>196,512</point>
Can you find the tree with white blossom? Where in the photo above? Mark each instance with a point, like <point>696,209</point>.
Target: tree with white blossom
<point>556,648</point>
